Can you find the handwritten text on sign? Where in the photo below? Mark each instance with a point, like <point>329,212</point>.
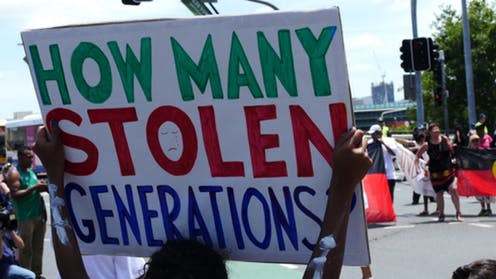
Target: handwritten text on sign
<point>220,129</point>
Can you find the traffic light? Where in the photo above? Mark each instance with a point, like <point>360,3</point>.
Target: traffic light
<point>437,74</point>
<point>434,52</point>
<point>421,54</point>
<point>406,55</point>
<point>438,96</point>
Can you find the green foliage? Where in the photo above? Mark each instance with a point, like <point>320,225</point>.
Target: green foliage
<point>449,36</point>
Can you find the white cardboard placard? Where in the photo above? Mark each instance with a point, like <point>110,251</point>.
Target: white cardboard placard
<point>214,128</point>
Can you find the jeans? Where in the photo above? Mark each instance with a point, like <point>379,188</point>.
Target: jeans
<point>32,233</point>
<point>17,272</point>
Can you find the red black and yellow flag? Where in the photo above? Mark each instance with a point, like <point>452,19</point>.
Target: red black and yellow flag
<point>378,203</point>
<point>476,172</point>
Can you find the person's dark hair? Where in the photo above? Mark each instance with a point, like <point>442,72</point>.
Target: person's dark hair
<point>433,125</point>
<point>185,259</point>
<point>481,269</point>
<point>22,149</point>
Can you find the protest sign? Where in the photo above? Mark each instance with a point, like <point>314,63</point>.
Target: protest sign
<point>219,129</point>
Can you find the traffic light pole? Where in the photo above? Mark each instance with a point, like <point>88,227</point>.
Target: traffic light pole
<point>418,85</point>
<point>469,81</point>
<point>445,92</point>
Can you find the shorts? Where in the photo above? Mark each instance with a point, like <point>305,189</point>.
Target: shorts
<point>443,186</point>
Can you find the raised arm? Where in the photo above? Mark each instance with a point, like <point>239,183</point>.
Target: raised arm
<point>350,164</point>
<point>67,253</point>
<point>421,151</point>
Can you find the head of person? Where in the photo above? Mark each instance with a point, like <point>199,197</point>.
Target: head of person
<point>482,118</point>
<point>474,140</point>
<point>5,170</point>
<point>185,259</point>
<point>419,134</point>
<point>25,157</point>
<point>380,121</point>
<point>375,131</point>
<point>480,269</point>
<point>434,130</point>
<point>12,178</point>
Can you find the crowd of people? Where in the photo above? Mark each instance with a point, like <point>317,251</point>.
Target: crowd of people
<point>22,241</point>
<point>435,161</point>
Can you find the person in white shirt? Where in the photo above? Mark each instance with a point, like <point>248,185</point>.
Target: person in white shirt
<point>110,267</point>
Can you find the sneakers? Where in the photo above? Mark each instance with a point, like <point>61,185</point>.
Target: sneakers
<point>485,212</point>
<point>423,213</point>
<point>482,212</point>
<point>440,218</point>
<point>488,212</point>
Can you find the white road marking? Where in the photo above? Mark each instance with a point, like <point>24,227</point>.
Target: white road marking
<point>481,225</point>
<point>400,227</point>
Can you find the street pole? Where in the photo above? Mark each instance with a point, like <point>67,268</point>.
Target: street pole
<point>469,80</point>
<point>445,92</point>
<point>418,89</point>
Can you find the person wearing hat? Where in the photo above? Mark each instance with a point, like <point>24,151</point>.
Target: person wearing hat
<point>474,142</point>
<point>384,129</point>
<point>388,146</point>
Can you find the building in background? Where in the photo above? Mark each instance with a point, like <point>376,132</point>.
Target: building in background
<point>21,114</point>
<point>382,93</point>
<point>394,114</point>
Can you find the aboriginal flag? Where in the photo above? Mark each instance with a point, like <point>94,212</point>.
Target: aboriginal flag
<point>476,172</point>
<point>378,204</point>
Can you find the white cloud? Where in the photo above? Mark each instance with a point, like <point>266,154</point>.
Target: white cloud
<point>398,6</point>
<point>363,41</point>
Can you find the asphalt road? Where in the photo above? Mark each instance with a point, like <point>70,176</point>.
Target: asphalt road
<point>413,247</point>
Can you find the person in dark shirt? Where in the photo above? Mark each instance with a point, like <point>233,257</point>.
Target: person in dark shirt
<point>461,138</point>
<point>9,267</point>
<point>442,172</point>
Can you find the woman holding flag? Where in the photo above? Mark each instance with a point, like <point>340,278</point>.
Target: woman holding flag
<point>442,172</point>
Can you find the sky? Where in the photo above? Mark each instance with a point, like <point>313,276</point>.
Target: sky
<point>372,30</point>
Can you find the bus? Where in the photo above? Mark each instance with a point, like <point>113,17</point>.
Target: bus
<point>22,132</point>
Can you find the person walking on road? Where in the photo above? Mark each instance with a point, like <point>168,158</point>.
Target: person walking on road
<point>384,129</point>
<point>476,143</point>
<point>442,172</point>
<point>388,147</point>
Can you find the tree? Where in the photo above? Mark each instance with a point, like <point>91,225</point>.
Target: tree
<point>449,36</point>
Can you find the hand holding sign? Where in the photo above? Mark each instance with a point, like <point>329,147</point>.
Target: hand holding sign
<point>351,163</point>
<point>350,160</point>
<point>67,254</point>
